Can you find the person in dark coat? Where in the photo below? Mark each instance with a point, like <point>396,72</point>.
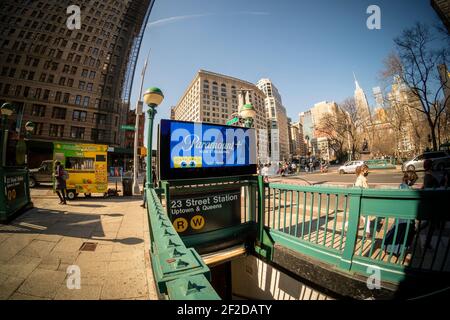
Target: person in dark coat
<point>60,182</point>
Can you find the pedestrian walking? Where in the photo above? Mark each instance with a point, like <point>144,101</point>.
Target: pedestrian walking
<point>265,173</point>
<point>60,177</point>
<point>361,181</point>
<point>429,180</point>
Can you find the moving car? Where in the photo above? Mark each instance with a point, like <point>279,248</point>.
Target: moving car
<point>439,161</point>
<point>350,166</point>
<point>43,174</point>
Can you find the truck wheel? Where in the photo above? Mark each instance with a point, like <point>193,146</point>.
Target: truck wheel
<point>71,195</point>
<point>410,168</point>
<point>341,171</point>
<point>32,182</point>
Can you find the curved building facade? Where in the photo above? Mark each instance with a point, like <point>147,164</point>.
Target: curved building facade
<point>69,82</point>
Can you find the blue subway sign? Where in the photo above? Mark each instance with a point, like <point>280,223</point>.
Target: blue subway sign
<point>198,150</point>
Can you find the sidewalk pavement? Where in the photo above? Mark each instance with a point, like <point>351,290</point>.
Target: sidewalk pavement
<point>37,248</point>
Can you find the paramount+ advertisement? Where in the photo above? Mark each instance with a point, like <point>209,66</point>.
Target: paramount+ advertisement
<point>189,150</point>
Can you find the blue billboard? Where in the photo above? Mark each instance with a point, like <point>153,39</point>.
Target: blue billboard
<point>191,149</point>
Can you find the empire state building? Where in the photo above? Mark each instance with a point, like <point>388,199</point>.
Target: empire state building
<point>361,102</point>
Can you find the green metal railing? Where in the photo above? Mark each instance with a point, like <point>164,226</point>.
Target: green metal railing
<point>179,272</point>
<point>381,163</point>
<point>399,231</point>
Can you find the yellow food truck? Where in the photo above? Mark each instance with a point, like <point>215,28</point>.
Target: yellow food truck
<point>86,165</point>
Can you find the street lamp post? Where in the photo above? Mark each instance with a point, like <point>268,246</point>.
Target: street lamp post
<point>152,98</point>
<point>138,112</point>
<point>6,110</point>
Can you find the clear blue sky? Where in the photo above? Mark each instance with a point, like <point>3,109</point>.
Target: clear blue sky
<point>309,49</point>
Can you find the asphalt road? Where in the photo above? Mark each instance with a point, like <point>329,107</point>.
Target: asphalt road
<point>388,177</point>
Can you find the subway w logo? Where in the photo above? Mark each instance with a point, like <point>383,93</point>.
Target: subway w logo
<point>197,222</point>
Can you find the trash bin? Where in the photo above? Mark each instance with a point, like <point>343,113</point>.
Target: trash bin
<point>127,185</point>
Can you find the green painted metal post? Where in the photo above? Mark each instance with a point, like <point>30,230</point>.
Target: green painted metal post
<point>352,230</point>
<point>261,207</point>
<point>151,116</point>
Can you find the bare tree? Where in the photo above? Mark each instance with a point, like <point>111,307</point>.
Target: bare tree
<point>416,63</point>
<point>343,128</point>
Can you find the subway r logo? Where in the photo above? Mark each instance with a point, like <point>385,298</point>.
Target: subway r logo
<point>180,224</point>
<point>197,222</point>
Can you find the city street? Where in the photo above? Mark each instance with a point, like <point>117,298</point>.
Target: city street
<point>376,179</point>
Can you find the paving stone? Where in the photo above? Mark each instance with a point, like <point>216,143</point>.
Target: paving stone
<point>20,266</point>
<point>86,292</point>
<point>49,237</point>
<point>126,265</point>
<point>69,244</point>
<point>133,255</point>
<point>124,285</point>
<point>21,296</point>
<point>14,244</point>
<point>42,283</point>
<point>38,248</point>
<point>9,286</point>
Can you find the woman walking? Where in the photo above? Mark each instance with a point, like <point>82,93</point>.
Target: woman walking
<point>60,182</point>
<point>361,181</point>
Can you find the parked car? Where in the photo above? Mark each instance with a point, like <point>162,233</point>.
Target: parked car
<point>350,166</point>
<point>43,174</point>
<point>439,159</point>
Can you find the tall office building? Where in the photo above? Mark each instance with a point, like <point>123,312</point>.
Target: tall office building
<point>72,84</point>
<point>442,8</point>
<point>412,136</point>
<point>213,97</point>
<point>361,102</point>
<point>317,142</point>
<point>296,140</point>
<point>378,95</point>
<point>444,75</point>
<point>277,119</point>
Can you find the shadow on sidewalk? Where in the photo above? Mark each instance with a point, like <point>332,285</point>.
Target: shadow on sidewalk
<point>66,224</point>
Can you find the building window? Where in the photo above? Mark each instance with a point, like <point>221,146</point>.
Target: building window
<point>58,96</point>
<point>46,94</point>
<point>85,101</point>
<point>77,133</point>
<point>79,115</point>
<point>38,110</point>
<point>38,128</point>
<point>98,134</point>
<point>100,118</point>
<point>56,130</point>
<point>59,113</point>
<point>66,98</point>
<point>81,85</point>
<point>78,100</point>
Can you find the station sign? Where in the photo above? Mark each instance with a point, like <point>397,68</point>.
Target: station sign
<point>190,150</point>
<point>198,213</point>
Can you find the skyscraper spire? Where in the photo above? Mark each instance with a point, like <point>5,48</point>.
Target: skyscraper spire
<point>356,81</point>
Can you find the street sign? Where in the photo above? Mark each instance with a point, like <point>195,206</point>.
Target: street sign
<point>127,127</point>
<point>195,213</point>
<point>234,120</point>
